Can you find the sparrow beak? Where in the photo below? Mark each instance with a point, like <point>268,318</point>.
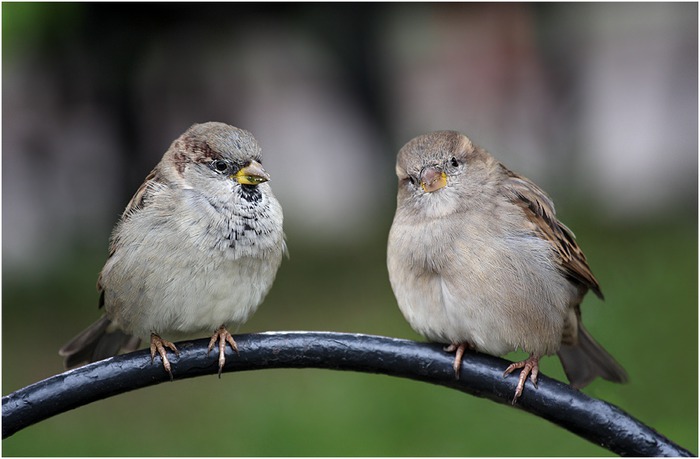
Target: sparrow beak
<point>432,179</point>
<point>252,174</point>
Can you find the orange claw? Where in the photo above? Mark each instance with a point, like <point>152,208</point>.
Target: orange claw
<point>530,366</point>
<point>159,344</point>
<point>222,336</point>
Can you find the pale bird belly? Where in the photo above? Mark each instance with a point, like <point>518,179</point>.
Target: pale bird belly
<point>441,317</point>
<point>194,298</point>
<point>494,306</point>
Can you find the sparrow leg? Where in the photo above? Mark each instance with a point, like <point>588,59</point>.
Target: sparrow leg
<point>222,336</point>
<point>530,366</point>
<point>159,344</point>
<point>459,348</point>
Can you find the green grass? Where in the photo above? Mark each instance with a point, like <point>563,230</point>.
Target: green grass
<point>648,322</point>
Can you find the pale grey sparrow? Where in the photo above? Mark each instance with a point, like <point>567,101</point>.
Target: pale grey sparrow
<point>477,259</point>
<point>197,249</point>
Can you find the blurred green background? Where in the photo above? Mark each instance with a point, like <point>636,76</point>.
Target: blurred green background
<point>93,95</point>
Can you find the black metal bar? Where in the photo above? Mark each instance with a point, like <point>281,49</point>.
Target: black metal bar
<point>481,375</point>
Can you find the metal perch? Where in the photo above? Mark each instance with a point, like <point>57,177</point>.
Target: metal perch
<point>481,375</point>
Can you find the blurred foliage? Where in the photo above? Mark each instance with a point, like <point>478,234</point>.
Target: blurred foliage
<point>648,322</point>
<point>26,24</point>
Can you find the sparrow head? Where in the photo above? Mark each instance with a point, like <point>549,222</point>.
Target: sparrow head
<point>217,159</point>
<point>440,169</point>
<point>426,161</point>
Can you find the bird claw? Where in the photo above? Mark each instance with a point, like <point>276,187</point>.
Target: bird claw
<point>458,349</point>
<point>158,345</point>
<point>222,336</point>
<point>530,367</point>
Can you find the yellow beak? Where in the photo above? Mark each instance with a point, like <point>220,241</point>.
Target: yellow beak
<point>252,174</point>
<point>432,179</point>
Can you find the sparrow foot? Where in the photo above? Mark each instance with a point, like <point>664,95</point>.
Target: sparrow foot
<point>159,344</point>
<point>531,367</point>
<point>222,336</point>
<point>458,349</point>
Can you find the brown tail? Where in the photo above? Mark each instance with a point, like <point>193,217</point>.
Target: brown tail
<point>97,342</point>
<point>587,360</point>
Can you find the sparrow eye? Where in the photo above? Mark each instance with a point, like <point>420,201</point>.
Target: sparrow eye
<point>413,180</point>
<point>454,162</point>
<point>219,165</point>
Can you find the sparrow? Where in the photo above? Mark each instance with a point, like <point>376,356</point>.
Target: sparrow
<point>196,249</point>
<point>477,259</point>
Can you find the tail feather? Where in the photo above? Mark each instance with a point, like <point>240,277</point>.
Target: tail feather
<point>587,360</point>
<point>99,341</point>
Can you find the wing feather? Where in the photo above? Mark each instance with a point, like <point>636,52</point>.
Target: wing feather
<point>539,209</point>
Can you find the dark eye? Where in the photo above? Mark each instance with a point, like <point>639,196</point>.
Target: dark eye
<point>219,165</point>
<point>454,162</point>
<point>413,180</point>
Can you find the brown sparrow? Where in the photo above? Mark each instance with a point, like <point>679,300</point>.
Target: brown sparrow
<point>196,249</point>
<point>477,259</point>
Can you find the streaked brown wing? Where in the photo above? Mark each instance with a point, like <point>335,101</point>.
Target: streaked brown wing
<point>539,209</point>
